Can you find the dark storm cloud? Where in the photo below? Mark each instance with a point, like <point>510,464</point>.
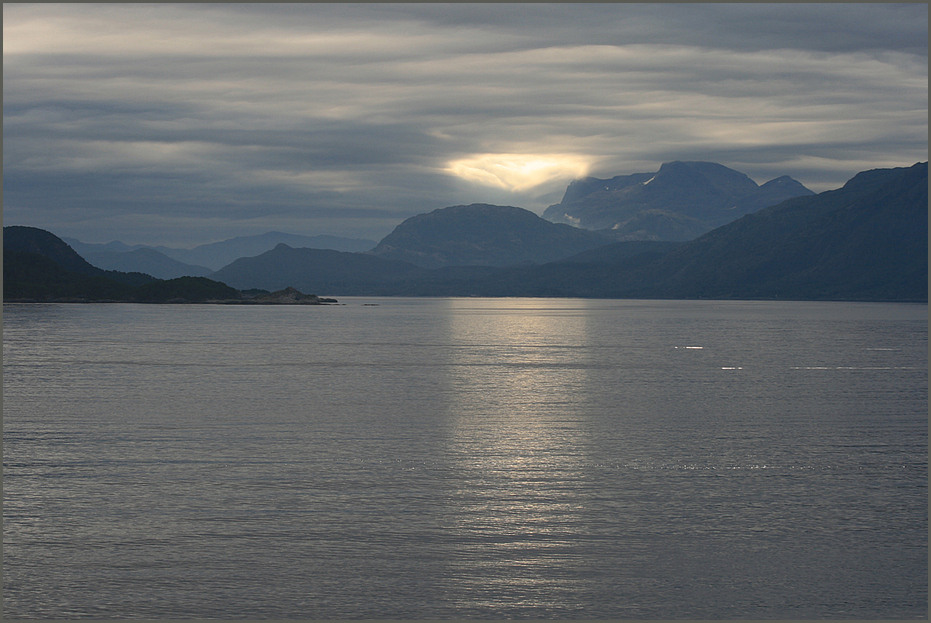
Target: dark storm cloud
<point>197,122</point>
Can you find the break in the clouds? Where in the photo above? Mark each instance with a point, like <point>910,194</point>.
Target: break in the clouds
<point>182,124</point>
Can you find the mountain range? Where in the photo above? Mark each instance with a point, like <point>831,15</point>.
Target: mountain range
<point>864,241</point>
<point>680,201</point>
<point>167,262</point>
<point>40,267</point>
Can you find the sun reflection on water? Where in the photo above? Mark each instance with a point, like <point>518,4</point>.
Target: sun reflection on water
<point>517,451</point>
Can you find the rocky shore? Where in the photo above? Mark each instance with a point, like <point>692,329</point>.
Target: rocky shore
<point>288,296</point>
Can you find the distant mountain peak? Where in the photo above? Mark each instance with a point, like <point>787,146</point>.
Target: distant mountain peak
<point>680,201</point>
<point>482,234</point>
<point>784,181</point>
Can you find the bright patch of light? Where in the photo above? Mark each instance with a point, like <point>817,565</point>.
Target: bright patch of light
<point>517,172</point>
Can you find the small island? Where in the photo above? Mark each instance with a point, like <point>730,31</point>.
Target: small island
<point>288,296</point>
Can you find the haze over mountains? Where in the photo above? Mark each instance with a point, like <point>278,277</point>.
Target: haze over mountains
<point>144,260</point>
<point>40,267</point>
<point>206,257</point>
<point>681,201</point>
<point>865,241</point>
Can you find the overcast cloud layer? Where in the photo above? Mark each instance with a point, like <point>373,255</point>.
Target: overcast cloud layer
<point>182,124</point>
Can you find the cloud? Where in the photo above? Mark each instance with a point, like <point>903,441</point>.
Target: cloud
<point>227,119</point>
<point>518,172</point>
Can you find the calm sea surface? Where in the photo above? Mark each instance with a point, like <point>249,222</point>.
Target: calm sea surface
<point>466,458</point>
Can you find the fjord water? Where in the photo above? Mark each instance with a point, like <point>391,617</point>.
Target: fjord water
<point>466,458</point>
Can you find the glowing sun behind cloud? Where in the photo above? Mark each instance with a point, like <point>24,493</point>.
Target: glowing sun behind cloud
<point>518,172</point>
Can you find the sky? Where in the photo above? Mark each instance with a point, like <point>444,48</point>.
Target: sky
<point>184,124</point>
